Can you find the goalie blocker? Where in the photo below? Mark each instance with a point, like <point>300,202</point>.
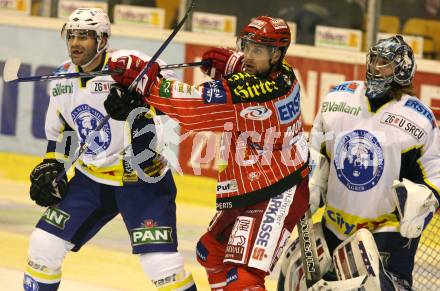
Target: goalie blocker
<point>356,264</point>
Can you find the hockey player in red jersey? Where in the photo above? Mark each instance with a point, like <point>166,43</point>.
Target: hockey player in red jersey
<point>262,191</point>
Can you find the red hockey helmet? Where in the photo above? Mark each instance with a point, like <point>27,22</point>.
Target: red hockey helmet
<point>268,31</point>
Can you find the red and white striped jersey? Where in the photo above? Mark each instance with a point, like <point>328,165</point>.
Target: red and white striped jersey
<point>263,140</point>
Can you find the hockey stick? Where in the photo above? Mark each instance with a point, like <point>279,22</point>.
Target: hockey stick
<point>309,251</point>
<point>10,72</point>
<point>132,86</point>
<point>162,47</point>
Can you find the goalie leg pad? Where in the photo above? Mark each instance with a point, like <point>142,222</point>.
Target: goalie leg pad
<point>45,256</point>
<point>292,275</point>
<point>358,256</point>
<point>166,271</point>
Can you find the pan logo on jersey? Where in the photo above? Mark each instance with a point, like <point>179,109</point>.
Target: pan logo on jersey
<point>151,234</point>
<point>55,217</point>
<point>214,92</point>
<point>238,243</point>
<point>288,109</point>
<point>404,124</point>
<point>271,226</point>
<point>346,87</point>
<point>256,113</point>
<point>421,108</point>
<point>100,87</point>
<point>359,160</point>
<point>87,119</point>
<point>61,89</point>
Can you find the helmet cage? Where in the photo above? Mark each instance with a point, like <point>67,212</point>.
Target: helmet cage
<point>391,55</point>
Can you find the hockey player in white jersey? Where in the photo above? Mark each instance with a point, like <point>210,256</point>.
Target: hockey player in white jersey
<point>376,150</point>
<point>104,184</point>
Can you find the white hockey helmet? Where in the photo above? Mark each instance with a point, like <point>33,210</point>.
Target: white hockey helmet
<point>89,19</point>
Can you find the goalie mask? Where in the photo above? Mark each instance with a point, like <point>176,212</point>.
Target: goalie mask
<point>88,22</point>
<point>265,32</point>
<point>390,64</point>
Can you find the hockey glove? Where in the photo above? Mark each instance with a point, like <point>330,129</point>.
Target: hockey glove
<point>120,102</point>
<point>129,68</point>
<point>220,62</point>
<point>416,205</point>
<point>42,191</point>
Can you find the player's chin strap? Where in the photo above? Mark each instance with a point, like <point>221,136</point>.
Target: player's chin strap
<point>98,51</point>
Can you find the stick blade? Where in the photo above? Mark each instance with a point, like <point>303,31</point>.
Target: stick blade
<point>10,71</point>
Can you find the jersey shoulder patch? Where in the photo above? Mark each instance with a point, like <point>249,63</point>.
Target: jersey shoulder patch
<point>420,108</point>
<point>63,68</point>
<point>349,87</point>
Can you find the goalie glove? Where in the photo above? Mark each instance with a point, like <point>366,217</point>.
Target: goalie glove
<point>42,191</point>
<point>220,62</point>
<point>416,205</point>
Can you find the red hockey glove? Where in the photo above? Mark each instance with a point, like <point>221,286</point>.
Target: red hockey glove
<point>148,80</point>
<point>220,62</point>
<point>130,66</point>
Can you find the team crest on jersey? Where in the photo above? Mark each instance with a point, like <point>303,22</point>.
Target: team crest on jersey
<point>359,160</point>
<point>87,119</point>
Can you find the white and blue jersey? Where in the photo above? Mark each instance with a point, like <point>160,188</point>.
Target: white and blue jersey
<point>77,105</point>
<point>368,148</point>
<point>103,185</point>
<point>369,144</point>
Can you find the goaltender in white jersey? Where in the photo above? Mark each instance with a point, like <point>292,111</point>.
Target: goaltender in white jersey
<point>368,150</point>
<point>78,104</point>
<point>375,148</point>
